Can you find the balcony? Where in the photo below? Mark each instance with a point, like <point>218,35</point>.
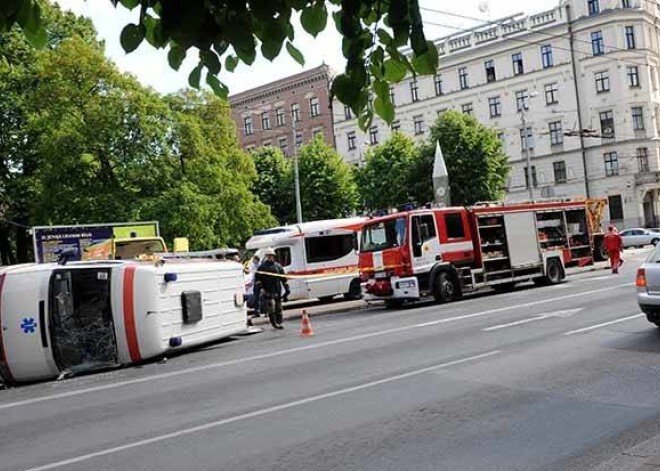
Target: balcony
<point>647,178</point>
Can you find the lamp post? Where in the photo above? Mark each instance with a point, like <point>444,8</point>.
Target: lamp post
<point>530,182</point>
<point>296,173</point>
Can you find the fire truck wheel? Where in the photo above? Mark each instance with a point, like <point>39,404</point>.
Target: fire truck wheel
<point>504,287</point>
<point>354,291</point>
<point>445,290</point>
<point>554,273</point>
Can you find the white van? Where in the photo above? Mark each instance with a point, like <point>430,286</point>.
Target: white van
<point>320,256</point>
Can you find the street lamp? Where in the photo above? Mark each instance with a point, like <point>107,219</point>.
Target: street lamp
<point>296,173</point>
<point>523,109</point>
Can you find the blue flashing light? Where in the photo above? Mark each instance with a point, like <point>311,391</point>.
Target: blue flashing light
<point>176,342</point>
<point>170,277</point>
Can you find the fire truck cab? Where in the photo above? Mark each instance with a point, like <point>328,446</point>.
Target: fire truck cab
<point>445,252</point>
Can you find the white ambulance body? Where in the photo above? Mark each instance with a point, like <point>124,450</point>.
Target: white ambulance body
<point>85,316</point>
<point>320,256</point>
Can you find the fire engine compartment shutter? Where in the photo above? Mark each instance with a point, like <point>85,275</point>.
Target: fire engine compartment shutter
<point>191,303</point>
<point>522,239</point>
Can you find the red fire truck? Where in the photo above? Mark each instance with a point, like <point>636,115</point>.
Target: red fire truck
<point>445,252</point>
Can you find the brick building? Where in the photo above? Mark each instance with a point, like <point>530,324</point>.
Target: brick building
<point>266,115</point>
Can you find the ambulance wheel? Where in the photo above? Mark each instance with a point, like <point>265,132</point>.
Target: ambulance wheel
<point>554,273</point>
<point>444,289</point>
<point>354,291</point>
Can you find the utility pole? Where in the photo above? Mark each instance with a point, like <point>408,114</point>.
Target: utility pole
<point>296,171</point>
<point>530,183</point>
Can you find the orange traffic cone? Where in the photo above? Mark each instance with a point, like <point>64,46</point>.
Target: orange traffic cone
<point>306,326</point>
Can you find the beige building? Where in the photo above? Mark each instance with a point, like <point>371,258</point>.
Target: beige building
<point>586,64</point>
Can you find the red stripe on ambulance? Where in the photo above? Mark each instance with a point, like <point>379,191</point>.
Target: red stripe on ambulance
<point>129,314</point>
<point>4,364</point>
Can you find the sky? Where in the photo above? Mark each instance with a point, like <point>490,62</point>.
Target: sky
<point>151,68</point>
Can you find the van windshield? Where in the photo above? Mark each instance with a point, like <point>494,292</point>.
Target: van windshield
<point>383,235</point>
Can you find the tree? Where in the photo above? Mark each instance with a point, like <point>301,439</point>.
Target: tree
<point>387,179</point>
<point>327,187</point>
<point>274,185</point>
<point>231,32</point>
<point>476,163</point>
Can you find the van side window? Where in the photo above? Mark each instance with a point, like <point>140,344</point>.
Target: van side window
<point>423,229</point>
<point>454,225</point>
<point>283,256</point>
<point>327,248</point>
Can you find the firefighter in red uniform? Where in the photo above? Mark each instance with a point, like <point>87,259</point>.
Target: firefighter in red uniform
<point>614,246</point>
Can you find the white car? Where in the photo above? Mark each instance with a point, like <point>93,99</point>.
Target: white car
<point>639,237</point>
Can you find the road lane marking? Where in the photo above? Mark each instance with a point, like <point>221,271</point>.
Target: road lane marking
<point>604,324</point>
<point>512,324</point>
<point>260,412</point>
<point>278,353</point>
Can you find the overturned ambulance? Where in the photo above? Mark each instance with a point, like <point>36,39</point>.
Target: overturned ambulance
<point>86,316</point>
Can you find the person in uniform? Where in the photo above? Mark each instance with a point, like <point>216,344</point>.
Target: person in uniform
<point>272,280</point>
<point>614,246</point>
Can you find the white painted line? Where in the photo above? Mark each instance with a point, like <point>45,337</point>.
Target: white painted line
<point>604,324</point>
<point>258,413</point>
<point>265,356</point>
<point>512,324</point>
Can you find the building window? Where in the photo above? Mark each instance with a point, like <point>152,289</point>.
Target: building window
<point>247,122</point>
<point>625,4</point>
<point>265,121</point>
<point>350,137</point>
<point>642,154</point>
<point>295,112</point>
<point>546,56</point>
<point>282,144</point>
<point>597,46</point>
<point>517,62</point>
<point>559,169</point>
<point>602,82</point>
<point>279,116</point>
<point>437,84</point>
<point>630,37</point>
<point>526,138</point>
<point>392,96</point>
<point>299,139</point>
<point>490,71</point>
<point>522,100</point>
<point>314,107</point>
<point>556,133</point>
<point>249,148</point>
<point>418,124</point>
<point>551,94</point>
<point>494,107</point>
<point>463,78</point>
<point>414,90</point>
<point>637,118</point>
<point>633,75</point>
<point>267,143</point>
<point>607,124</point>
<point>611,164</point>
<point>467,108</point>
<point>373,135</point>
<point>534,180</point>
<point>593,6</point>
<point>615,203</point>
<point>348,114</point>
<point>317,132</point>
<point>396,126</point>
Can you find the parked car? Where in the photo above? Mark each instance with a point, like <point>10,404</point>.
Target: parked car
<point>648,287</point>
<point>639,237</point>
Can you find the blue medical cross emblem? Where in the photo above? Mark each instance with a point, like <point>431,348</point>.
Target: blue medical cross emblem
<point>29,325</point>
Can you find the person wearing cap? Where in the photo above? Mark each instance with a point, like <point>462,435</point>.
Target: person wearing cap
<point>271,277</point>
<point>614,245</point>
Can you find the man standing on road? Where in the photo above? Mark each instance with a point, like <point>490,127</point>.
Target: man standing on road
<point>271,277</point>
<point>614,246</point>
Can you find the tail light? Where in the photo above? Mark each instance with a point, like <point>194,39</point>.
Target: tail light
<point>641,278</point>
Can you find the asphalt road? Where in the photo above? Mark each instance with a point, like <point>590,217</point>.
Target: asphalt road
<point>555,378</point>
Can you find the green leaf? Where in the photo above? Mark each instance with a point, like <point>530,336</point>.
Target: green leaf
<point>395,71</point>
<point>29,18</point>
<point>154,31</point>
<point>231,62</point>
<point>426,63</point>
<point>175,56</point>
<point>246,55</point>
<point>345,90</point>
<point>270,48</point>
<point>131,37</point>
<point>365,119</point>
<point>130,4</point>
<point>211,61</point>
<point>219,88</point>
<point>384,108</point>
<point>195,76</point>
<point>314,18</point>
<point>295,53</point>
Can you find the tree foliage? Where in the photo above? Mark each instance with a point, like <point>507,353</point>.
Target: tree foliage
<point>226,33</point>
<point>274,183</point>
<point>386,179</point>
<point>476,163</point>
<point>327,186</point>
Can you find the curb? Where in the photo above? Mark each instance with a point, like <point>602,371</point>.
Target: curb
<point>263,320</point>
